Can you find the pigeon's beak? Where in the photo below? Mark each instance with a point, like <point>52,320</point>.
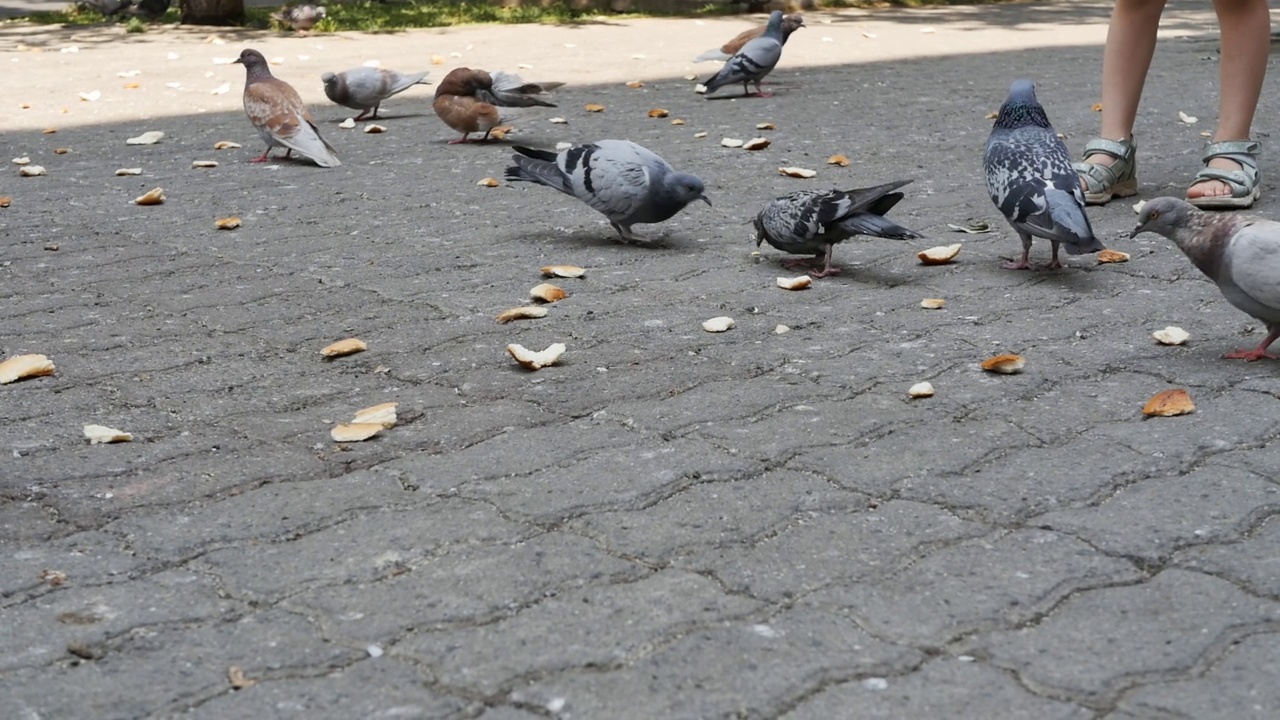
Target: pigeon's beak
<point>237,61</point>
<point>1137,231</point>
<point>704,199</point>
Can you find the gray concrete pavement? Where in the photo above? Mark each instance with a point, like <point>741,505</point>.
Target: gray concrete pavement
<point>669,523</point>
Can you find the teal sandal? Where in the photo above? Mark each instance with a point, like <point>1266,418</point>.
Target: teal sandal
<point>1243,182</point>
<point>1104,182</point>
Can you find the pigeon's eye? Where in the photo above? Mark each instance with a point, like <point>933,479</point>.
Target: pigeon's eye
<point>1154,214</point>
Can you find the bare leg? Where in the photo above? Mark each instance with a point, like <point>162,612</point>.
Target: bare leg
<point>1131,42</point>
<point>761,93</point>
<point>265,156</point>
<point>460,140</point>
<point>1259,352</point>
<point>1025,262</point>
<point>1245,31</point>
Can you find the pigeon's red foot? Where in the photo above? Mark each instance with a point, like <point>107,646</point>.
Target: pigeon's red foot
<point>459,141</point>
<point>264,157</point>
<point>1054,264</point>
<point>1019,265</point>
<point>1250,355</point>
<point>833,270</point>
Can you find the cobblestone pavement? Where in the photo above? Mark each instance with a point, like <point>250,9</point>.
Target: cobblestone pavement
<point>670,523</point>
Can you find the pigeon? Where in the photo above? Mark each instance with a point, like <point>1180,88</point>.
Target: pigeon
<point>1239,253</point>
<point>790,23</point>
<point>150,9</point>
<point>365,88</point>
<point>1031,180</point>
<point>300,17</point>
<point>813,221</point>
<point>753,62</point>
<point>275,109</point>
<point>625,182</point>
<point>107,7</point>
<point>468,100</point>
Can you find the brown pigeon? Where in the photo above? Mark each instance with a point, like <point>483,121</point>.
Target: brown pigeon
<point>275,109</point>
<point>1239,253</point>
<point>468,100</point>
<point>790,24</point>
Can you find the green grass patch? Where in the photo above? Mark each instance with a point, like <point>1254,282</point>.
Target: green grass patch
<point>369,16</point>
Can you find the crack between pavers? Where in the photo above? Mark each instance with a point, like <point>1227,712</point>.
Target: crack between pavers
<point>1106,699</point>
<point>509,609</point>
<point>155,565</point>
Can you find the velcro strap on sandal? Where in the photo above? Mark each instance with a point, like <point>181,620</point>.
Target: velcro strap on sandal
<point>1119,149</point>
<point>1231,149</point>
<point>1241,182</point>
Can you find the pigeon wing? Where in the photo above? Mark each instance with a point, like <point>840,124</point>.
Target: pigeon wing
<point>399,82</point>
<point>791,222</point>
<point>611,179</point>
<point>1025,178</point>
<point>1254,267</point>
<point>275,109</point>
<point>754,61</point>
<point>509,90</point>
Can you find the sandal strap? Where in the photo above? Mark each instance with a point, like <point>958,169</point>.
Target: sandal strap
<point>1244,152</point>
<point>1098,177</point>
<point>1242,183</point>
<point>1118,149</point>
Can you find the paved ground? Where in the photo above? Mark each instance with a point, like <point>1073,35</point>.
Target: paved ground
<point>670,523</point>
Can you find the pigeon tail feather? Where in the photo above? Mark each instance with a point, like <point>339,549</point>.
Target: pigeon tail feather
<point>538,166</point>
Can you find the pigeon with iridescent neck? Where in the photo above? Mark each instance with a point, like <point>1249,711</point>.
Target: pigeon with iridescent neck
<point>790,24</point>
<point>753,62</point>
<point>277,112</point>
<point>1239,253</point>
<point>621,180</point>
<point>1031,180</point>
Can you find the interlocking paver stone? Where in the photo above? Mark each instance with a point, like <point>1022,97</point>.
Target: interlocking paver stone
<point>668,523</point>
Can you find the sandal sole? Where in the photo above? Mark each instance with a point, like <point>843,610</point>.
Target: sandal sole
<point>1226,202</point>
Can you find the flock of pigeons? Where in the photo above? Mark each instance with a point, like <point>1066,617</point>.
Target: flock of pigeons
<point>1028,171</point>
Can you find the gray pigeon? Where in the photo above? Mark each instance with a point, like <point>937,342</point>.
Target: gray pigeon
<point>790,24</point>
<point>625,182</point>
<point>813,221</point>
<point>754,61</point>
<point>150,9</point>
<point>1031,181</point>
<point>365,88</point>
<point>1239,253</point>
<point>107,7</point>
<point>300,17</point>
